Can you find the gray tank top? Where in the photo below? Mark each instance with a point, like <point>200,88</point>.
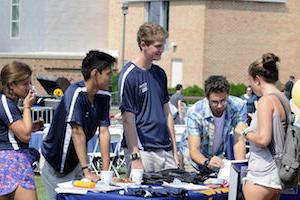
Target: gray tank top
<point>261,160</point>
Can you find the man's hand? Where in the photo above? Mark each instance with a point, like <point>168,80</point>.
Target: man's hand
<point>215,162</point>
<point>137,164</point>
<point>91,176</point>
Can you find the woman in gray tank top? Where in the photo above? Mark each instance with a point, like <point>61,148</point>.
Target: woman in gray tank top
<point>262,180</point>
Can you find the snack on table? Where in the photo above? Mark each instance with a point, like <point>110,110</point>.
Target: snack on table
<point>84,184</point>
<point>123,180</point>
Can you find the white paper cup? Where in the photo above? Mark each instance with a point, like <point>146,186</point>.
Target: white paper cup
<point>136,175</point>
<point>106,177</point>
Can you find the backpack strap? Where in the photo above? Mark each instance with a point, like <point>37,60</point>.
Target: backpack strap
<point>286,108</point>
<point>287,111</point>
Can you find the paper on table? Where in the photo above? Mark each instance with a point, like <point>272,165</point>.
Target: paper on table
<point>71,190</point>
<point>102,187</point>
<point>224,172</point>
<point>68,187</point>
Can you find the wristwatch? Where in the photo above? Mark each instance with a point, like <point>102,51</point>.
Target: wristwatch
<point>135,156</point>
<point>245,132</point>
<point>206,162</point>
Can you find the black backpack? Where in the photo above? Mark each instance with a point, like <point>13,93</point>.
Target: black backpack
<point>289,163</point>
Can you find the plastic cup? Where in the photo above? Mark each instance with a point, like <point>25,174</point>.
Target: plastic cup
<point>136,175</point>
<point>106,177</point>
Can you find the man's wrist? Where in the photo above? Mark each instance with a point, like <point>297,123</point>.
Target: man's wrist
<point>206,162</point>
<point>135,156</point>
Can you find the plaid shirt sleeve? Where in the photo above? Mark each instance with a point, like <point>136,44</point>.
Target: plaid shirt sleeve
<point>239,111</point>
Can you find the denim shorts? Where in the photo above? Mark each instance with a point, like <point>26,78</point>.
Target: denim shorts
<point>271,180</point>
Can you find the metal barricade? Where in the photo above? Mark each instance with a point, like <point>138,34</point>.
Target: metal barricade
<point>46,113</point>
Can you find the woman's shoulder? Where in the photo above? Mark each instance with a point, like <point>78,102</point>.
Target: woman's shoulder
<point>265,101</point>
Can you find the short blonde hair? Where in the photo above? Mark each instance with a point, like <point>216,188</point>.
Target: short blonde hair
<point>149,33</point>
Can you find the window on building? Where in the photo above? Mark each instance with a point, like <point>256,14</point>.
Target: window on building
<point>271,1</point>
<point>15,19</point>
<point>158,12</point>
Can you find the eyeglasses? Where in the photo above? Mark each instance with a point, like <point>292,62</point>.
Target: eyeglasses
<point>223,102</point>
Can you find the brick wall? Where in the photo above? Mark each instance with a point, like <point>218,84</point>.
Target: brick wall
<point>237,33</point>
<point>67,68</point>
<point>212,37</point>
<point>221,37</point>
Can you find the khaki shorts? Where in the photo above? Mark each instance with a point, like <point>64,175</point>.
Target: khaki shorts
<point>153,161</point>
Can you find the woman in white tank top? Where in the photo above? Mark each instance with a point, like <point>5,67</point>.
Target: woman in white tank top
<point>262,180</point>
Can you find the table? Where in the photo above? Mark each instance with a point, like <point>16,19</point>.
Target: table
<point>220,194</point>
<point>38,136</point>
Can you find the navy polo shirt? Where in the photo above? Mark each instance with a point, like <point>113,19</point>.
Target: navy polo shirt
<point>144,93</point>
<point>75,107</point>
<point>9,113</point>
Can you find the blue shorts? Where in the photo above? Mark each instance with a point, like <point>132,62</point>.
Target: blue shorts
<point>15,170</point>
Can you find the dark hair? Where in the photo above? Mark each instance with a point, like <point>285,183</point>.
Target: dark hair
<point>95,60</point>
<point>266,67</point>
<point>178,87</point>
<point>13,73</point>
<point>216,84</point>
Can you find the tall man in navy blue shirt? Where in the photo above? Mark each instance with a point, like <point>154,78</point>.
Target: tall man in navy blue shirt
<point>148,123</point>
<point>83,108</point>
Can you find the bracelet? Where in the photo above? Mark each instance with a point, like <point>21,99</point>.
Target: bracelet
<point>84,167</point>
<point>26,107</point>
<point>245,132</point>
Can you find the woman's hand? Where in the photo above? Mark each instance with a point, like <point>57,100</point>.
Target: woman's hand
<point>29,99</point>
<point>240,127</point>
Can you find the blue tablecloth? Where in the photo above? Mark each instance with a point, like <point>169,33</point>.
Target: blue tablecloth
<point>208,194</point>
<point>212,194</point>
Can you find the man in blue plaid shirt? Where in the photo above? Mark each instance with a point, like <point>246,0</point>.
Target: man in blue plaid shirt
<point>209,135</point>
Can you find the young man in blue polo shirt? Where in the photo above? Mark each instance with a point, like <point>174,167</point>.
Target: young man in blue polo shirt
<point>148,123</point>
<point>83,108</point>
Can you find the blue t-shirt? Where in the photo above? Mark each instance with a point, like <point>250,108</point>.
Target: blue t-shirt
<point>250,102</point>
<point>75,107</point>
<point>9,113</point>
<point>144,93</point>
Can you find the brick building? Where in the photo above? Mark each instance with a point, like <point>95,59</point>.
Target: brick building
<point>205,36</point>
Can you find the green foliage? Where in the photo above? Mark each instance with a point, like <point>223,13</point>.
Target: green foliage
<point>40,189</point>
<point>171,91</point>
<point>191,94</point>
<point>193,91</point>
<point>237,89</point>
<point>114,81</point>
